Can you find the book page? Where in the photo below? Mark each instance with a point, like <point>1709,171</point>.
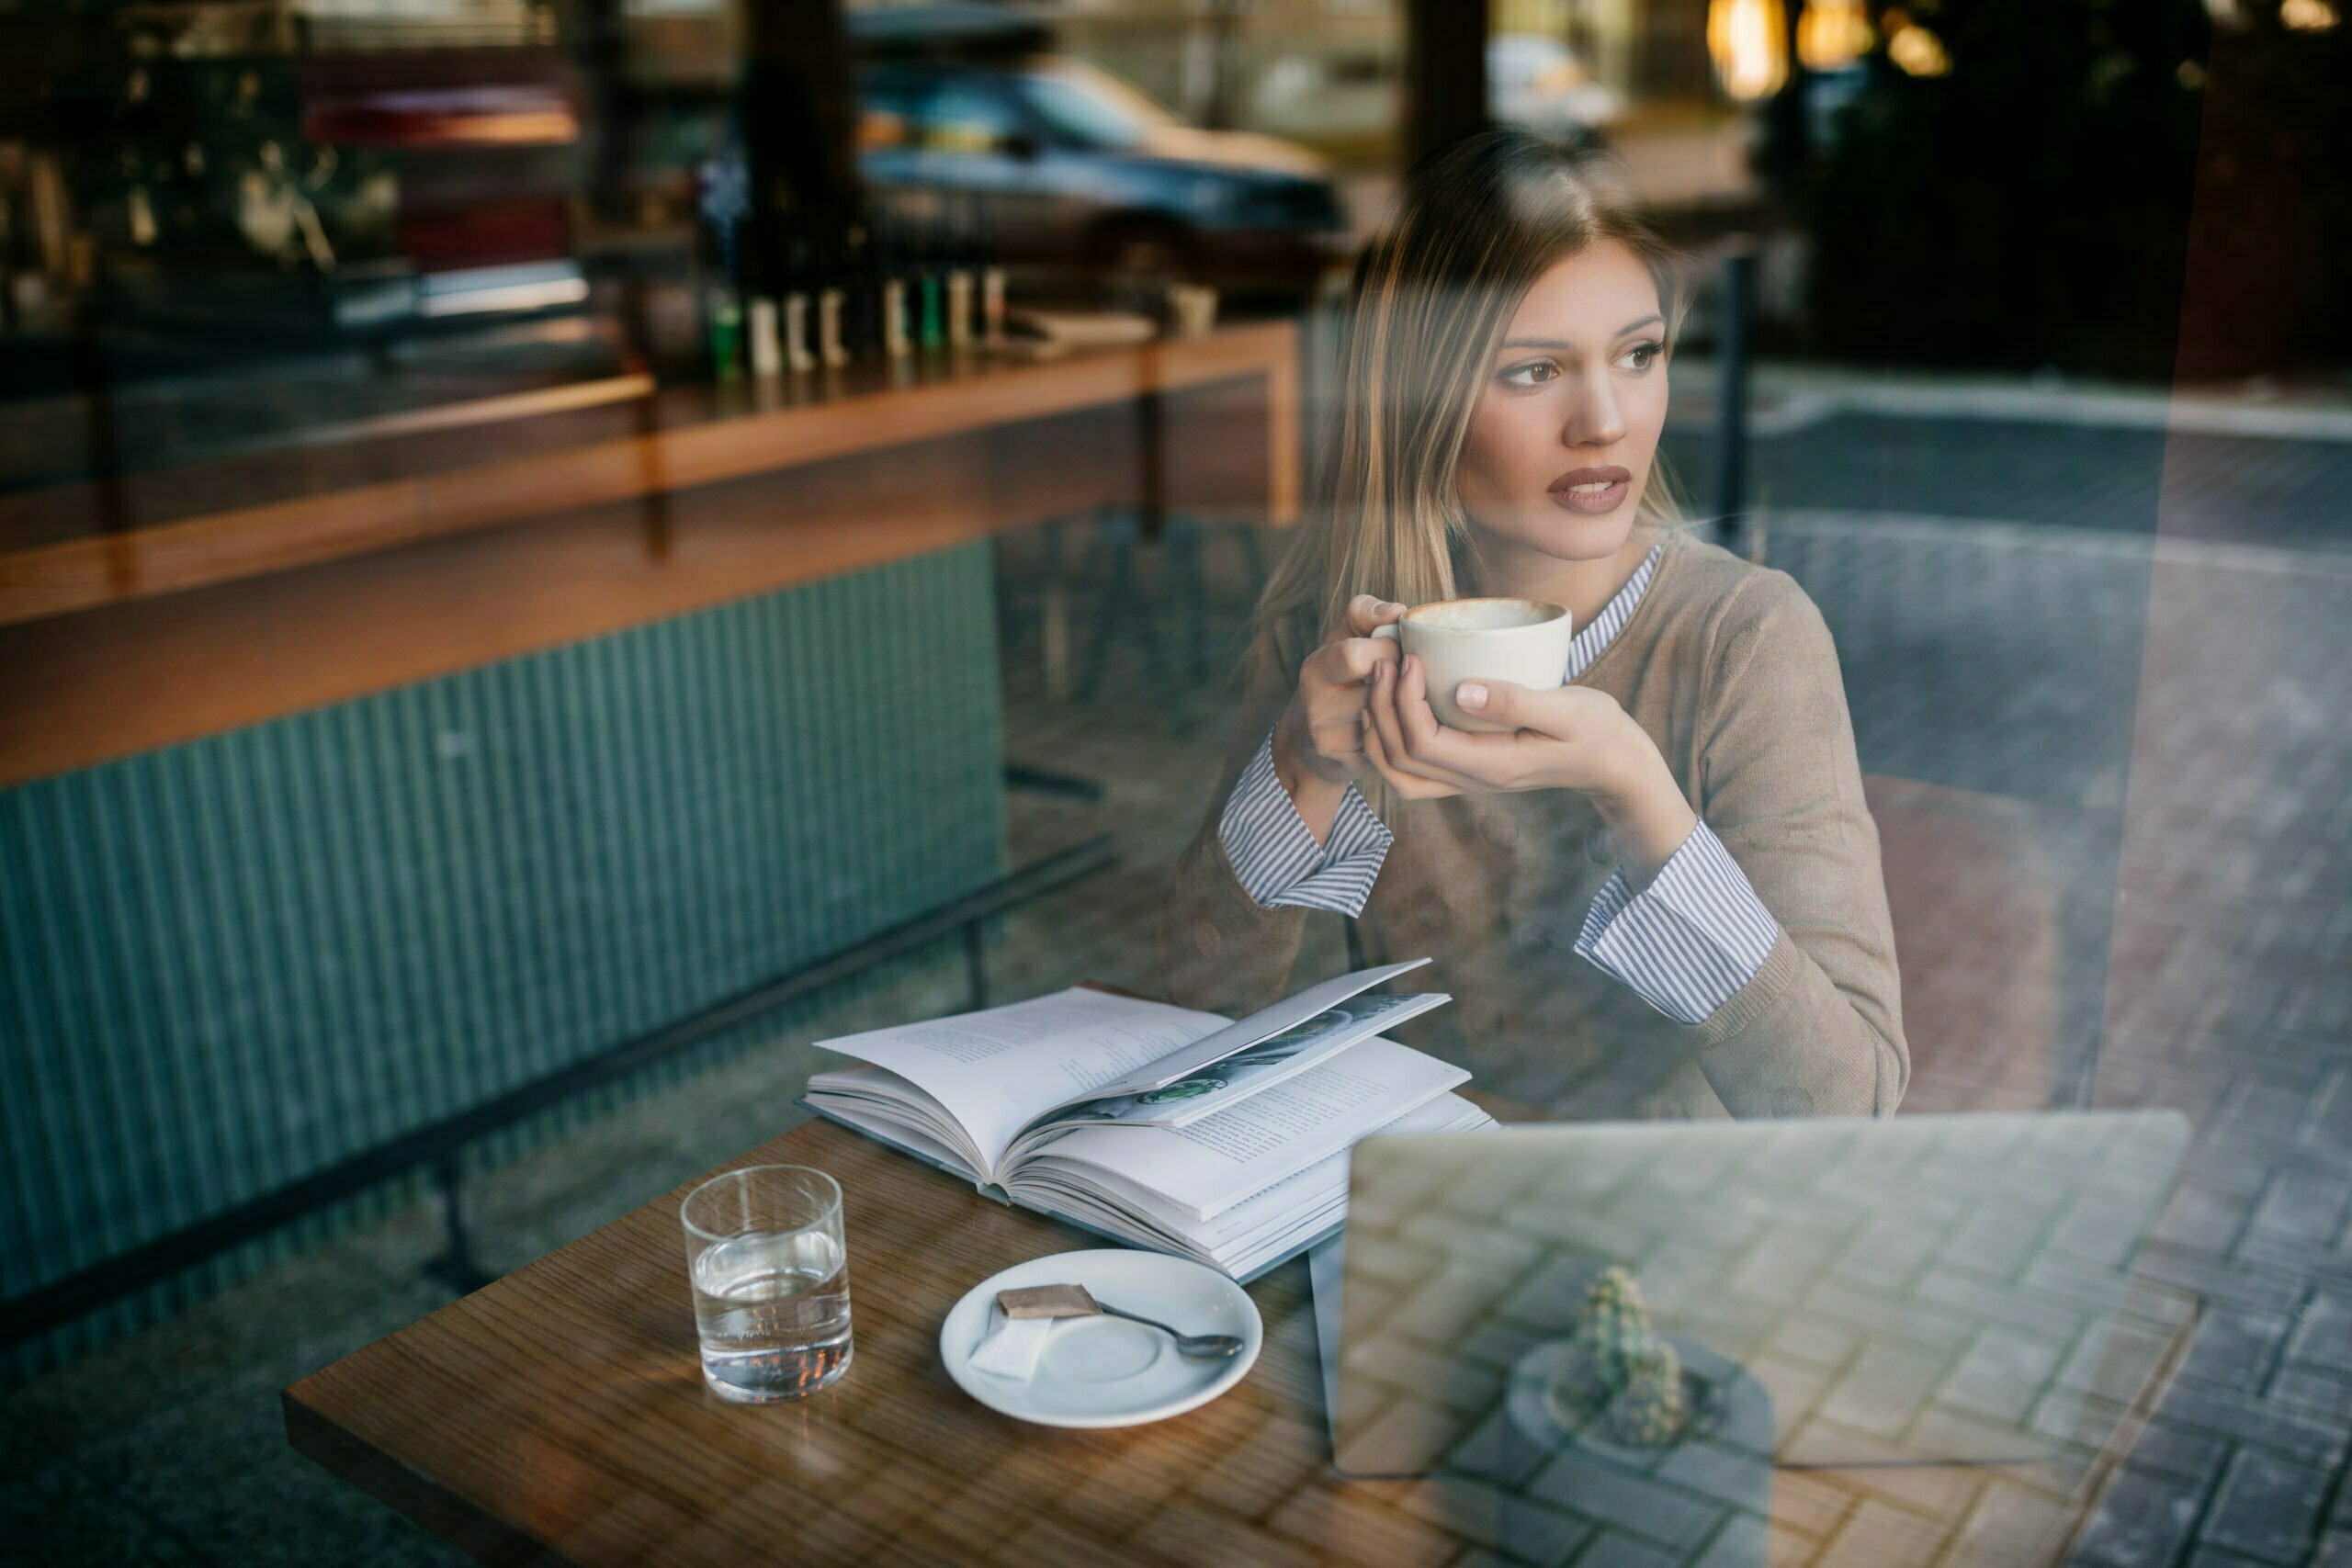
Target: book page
<point>879,1123</point>
<point>1212,1164</point>
<point>864,1084</point>
<point>1252,1232</point>
<point>995,1069</point>
<point>1215,1045</point>
<point>1223,1083</point>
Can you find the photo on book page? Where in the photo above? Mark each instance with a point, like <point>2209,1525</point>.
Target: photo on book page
<point>1235,1077</point>
<point>1244,1033</point>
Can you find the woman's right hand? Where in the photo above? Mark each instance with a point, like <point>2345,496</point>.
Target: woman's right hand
<point>1319,735</point>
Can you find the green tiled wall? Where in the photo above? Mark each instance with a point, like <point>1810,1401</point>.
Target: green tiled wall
<point>227,965</point>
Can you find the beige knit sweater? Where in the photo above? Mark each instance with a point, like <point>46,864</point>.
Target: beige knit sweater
<point>1730,669</point>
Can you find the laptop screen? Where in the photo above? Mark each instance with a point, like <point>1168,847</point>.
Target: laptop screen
<point>1704,1301</point>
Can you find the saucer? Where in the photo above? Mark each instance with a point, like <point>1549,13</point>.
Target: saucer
<point>1104,1371</point>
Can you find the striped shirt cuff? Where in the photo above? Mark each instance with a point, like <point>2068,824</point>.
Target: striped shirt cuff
<point>1274,854</point>
<point>1691,940</point>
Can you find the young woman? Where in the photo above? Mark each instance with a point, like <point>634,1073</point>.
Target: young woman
<point>1660,894</point>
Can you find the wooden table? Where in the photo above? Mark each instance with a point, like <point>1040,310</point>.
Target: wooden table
<point>559,1416</point>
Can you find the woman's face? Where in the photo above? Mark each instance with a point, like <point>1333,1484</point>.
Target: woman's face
<point>1561,442</point>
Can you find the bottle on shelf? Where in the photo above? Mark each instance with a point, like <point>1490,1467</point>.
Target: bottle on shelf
<point>799,354</point>
<point>767,342</point>
<point>833,299</point>
<point>724,202</point>
<point>957,258</point>
<point>897,334</point>
<point>930,286</point>
<point>991,281</point>
<point>862,321</point>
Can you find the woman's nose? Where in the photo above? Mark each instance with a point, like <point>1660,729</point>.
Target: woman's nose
<point>1594,419</point>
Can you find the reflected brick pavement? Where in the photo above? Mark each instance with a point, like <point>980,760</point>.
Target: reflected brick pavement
<point>2111,777</point>
<point>2052,711</point>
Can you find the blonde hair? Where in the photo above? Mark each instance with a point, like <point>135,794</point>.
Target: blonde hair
<point>1433,292</point>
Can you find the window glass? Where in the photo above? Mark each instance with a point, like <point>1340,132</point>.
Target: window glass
<point>1089,108</point>
<point>964,114</point>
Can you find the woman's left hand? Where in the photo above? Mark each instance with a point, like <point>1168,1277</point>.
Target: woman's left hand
<point>1571,738</point>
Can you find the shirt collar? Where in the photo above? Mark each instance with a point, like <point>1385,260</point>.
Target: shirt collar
<point>1586,646</point>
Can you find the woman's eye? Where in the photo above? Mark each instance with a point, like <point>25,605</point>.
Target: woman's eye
<point>1534,373</point>
<point>1644,354</point>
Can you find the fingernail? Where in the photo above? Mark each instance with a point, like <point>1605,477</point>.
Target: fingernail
<point>1471,695</point>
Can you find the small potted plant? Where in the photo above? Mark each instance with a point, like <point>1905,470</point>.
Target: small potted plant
<point>1626,1397</point>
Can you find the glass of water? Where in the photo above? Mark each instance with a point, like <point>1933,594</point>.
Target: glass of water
<point>771,1277</point>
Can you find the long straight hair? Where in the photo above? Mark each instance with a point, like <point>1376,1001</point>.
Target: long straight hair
<point>1476,225</point>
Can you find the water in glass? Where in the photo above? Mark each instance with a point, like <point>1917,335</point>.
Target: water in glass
<point>773,1312</point>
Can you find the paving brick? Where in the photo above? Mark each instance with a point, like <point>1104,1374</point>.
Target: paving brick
<point>1997,1242</point>
<point>1623,1552</point>
<point>1190,1536</point>
<point>2002,1375</point>
<point>1496,1451</point>
<point>1879,1535</point>
<point>2103,1234</point>
<point>1045,1541</point>
<point>2268,1508</point>
<point>2323,1333</point>
<point>2194,1460</point>
<point>1619,1501</point>
<point>2255,1286</point>
<point>1884,1389</point>
<point>1981,1299</point>
<point>1794,1389</point>
<point>2234,1348</point>
<point>1821,1344</point>
<point>2309,1265</point>
<point>2016,1523</point>
<point>1248,1487</point>
<point>2144,1521</point>
<point>2276,1425</point>
<point>2269,1110</point>
<point>1333,1518</point>
<point>2202,1219</point>
<point>1499,1517</point>
<point>2321,1390</point>
<point>2215,1557</point>
<point>1742,1543</point>
<point>1892,1256</point>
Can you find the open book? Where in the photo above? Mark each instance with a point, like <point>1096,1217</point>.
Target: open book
<point>1155,1125</point>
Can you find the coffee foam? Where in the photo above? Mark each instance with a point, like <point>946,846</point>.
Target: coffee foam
<point>1484,615</point>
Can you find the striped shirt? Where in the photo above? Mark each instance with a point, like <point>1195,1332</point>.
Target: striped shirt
<point>1686,944</point>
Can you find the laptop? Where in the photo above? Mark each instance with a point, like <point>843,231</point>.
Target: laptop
<point>1841,1296</point>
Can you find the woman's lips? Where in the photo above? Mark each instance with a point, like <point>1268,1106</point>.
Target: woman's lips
<point>1592,490</point>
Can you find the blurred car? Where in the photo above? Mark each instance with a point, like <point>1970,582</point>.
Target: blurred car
<point>1079,175</point>
<point>1538,82</point>
<point>1353,97</point>
<point>1349,98</point>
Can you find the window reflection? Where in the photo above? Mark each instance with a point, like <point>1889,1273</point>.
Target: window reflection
<point>542,534</point>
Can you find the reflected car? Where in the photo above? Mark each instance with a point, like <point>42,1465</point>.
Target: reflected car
<point>1079,175</point>
<point>1541,84</point>
<point>1353,97</point>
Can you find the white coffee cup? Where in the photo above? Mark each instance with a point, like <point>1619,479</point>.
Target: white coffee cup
<point>1525,641</point>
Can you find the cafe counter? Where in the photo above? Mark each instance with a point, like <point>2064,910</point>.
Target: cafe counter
<point>335,800</point>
